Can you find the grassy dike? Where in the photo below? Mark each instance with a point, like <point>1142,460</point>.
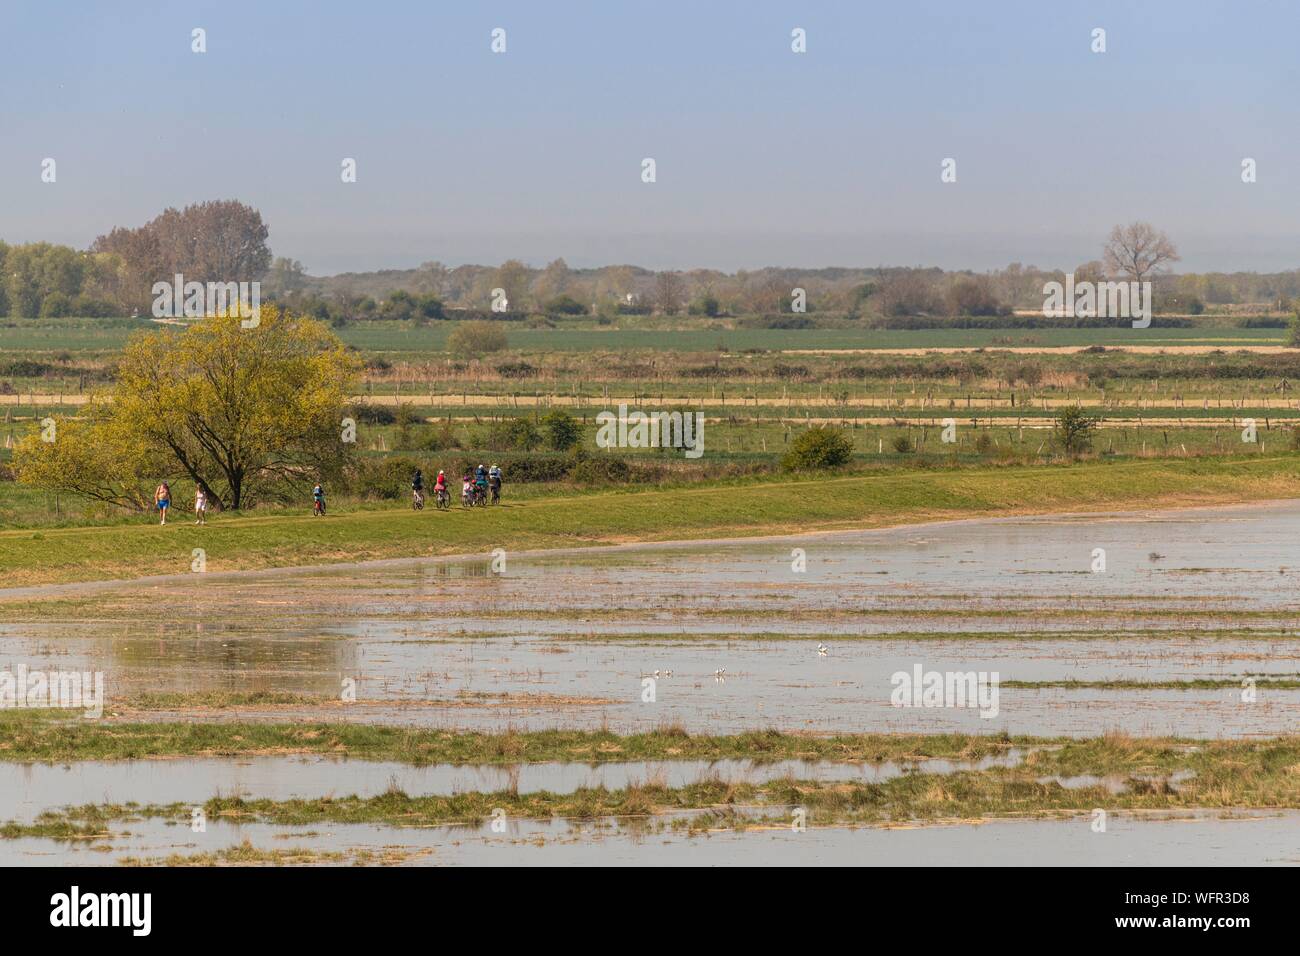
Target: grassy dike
<point>772,506</point>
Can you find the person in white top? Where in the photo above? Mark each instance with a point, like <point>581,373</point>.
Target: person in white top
<point>200,506</point>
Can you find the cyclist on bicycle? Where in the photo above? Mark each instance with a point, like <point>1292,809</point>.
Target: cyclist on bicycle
<point>417,485</point>
<point>494,481</point>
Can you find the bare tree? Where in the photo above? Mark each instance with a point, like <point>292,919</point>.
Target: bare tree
<point>1138,250</point>
<point>669,290</point>
<point>907,292</point>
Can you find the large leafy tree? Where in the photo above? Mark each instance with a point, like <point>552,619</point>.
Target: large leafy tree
<point>237,410</point>
<point>91,456</point>
<point>216,241</point>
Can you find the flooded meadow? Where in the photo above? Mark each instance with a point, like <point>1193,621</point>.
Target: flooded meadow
<point>1167,624</point>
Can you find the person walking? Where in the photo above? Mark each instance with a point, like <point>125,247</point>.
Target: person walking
<point>200,506</point>
<point>162,497</point>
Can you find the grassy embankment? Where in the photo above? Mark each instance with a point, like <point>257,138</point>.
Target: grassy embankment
<point>737,508</point>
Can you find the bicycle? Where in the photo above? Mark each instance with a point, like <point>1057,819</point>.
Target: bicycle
<point>442,500</point>
<point>417,500</point>
<point>318,508</point>
<point>467,499</point>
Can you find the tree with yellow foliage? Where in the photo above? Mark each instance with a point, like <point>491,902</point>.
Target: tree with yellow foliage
<point>239,411</point>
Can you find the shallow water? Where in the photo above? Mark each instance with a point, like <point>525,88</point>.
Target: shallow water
<point>1189,840</point>
<point>28,789</point>
<point>400,630</point>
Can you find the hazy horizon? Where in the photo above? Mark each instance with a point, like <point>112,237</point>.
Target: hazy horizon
<point>764,156</point>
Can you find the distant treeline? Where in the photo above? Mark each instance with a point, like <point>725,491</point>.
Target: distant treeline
<point>225,241</point>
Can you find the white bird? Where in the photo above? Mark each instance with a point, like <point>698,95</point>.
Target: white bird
<point>719,672</point>
<point>656,672</point>
<point>822,650</point>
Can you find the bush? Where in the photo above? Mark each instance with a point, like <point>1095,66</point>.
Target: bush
<point>561,429</point>
<point>442,438</point>
<point>1073,429</point>
<point>789,371</point>
<point>901,444</point>
<point>973,295</point>
<point>26,368</point>
<point>516,370</point>
<point>91,308</point>
<point>512,434</point>
<point>373,414</point>
<point>56,305</point>
<point>565,305</point>
<point>600,470</point>
<point>706,305</point>
<point>387,478</point>
<point>475,339</point>
<point>777,322</point>
<point>709,371</point>
<point>535,468</point>
<point>818,447</point>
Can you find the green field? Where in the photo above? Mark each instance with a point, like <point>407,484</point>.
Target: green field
<point>50,336</point>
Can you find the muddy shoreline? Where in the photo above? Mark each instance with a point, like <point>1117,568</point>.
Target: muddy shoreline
<point>79,588</point>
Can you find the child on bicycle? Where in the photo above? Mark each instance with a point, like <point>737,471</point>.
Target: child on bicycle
<point>417,486</point>
<point>318,500</point>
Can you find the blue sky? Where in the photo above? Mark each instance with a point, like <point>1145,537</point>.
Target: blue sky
<point>763,156</point>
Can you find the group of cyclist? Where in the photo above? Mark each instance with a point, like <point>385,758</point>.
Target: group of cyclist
<point>477,488</point>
